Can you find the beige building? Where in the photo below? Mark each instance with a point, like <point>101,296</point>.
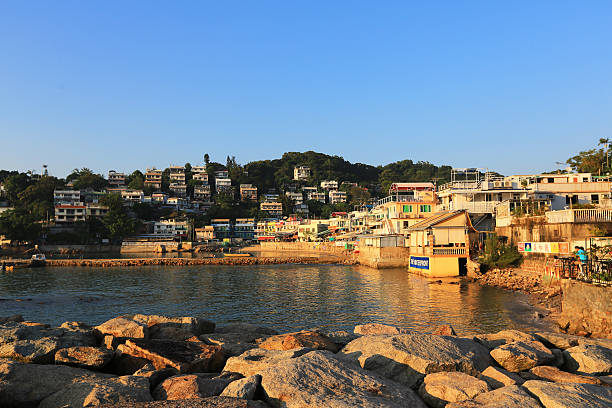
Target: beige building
<point>275,209</point>
<point>153,178</point>
<point>248,192</point>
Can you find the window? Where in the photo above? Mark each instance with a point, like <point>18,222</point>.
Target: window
<point>425,208</point>
<point>551,180</point>
<point>407,209</point>
<point>595,198</point>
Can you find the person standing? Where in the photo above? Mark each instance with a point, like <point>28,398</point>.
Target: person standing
<point>582,260</point>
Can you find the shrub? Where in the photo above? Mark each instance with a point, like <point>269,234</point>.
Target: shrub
<point>499,255</point>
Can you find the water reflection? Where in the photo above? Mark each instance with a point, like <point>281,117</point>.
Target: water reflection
<point>285,297</point>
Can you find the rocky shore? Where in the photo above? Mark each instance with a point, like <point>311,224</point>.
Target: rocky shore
<point>158,361</point>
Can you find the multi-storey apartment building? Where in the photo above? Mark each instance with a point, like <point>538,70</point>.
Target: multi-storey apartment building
<point>116,179</point>
<point>248,192</point>
<point>199,174</point>
<point>201,193</point>
<point>172,226</point>
<point>153,178</point>
<point>329,185</point>
<point>336,197</point>
<point>136,196</point>
<point>301,173</point>
<point>316,196</point>
<point>223,184</point>
<point>275,209</point>
<point>178,189</point>
<point>177,174</point>
<point>297,198</point>
<point>222,174</point>
<point>66,196</point>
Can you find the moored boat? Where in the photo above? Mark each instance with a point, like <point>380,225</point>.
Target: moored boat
<point>38,260</point>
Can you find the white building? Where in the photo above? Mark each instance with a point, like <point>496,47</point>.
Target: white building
<point>329,185</point>
<point>301,173</point>
<point>66,196</point>
<point>199,174</point>
<point>136,196</point>
<point>171,227</point>
<point>223,184</point>
<point>298,198</point>
<point>337,197</point>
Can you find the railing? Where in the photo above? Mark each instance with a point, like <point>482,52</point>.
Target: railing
<point>400,199</point>
<point>449,251</point>
<point>579,216</point>
<point>598,272</point>
<point>474,206</point>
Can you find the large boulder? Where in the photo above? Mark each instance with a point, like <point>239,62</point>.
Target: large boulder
<point>522,355</point>
<point>85,357</point>
<point>305,338</point>
<point>185,356</point>
<point>511,396</point>
<point>555,395</point>
<point>555,375</point>
<point>589,359</point>
<point>37,343</point>
<point>377,328</point>
<point>25,385</point>
<point>233,344</point>
<point>557,340</point>
<point>318,379</point>
<point>493,340</point>
<point>124,327</point>
<point>192,386</point>
<point>86,393</point>
<point>174,328</point>
<point>498,377</point>
<point>254,361</point>
<point>244,388</point>
<point>155,376</point>
<point>438,389</point>
<point>407,358</point>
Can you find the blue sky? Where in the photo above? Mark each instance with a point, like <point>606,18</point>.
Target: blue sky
<point>512,86</point>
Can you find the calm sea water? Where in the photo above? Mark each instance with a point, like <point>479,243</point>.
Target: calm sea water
<point>285,297</point>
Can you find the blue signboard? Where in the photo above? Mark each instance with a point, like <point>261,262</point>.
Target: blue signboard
<point>419,262</point>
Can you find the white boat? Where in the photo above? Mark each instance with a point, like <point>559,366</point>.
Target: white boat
<point>38,260</point>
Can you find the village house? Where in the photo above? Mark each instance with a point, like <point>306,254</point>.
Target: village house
<point>301,173</point>
<point>248,192</point>
<point>116,179</point>
<point>273,208</point>
<point>297,198</point>
<point>136,196</point>
<point>205,234</point>
<point>329,185</point>
<point>172,226</point>
<point>198,173</point>
<point>153,178</point>
<point>201,193</point>
<point>336,197</point>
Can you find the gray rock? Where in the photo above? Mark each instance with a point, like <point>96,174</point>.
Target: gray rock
<point>438,389</point>
<point>559,359</point>
<point>407,358</point>
<point>318,379</point>
<point>498,377</point>
<point>24,385</point>
<point>174,328</point>
<point>500,338</point>
<point>193,386</point>
<point>37,343</point>
<point>557,340</point>
<point>341,338</point>
<point>555,395</point>
<point>253,361</point>
<point>588,359</point>
<point>233,344</point>
<point>522,355</point>
<point>100,391</point>
<point>85,357</point>
<point>511,396</point>
<point>13,318</point>
<point>154,376</point>
<point>244,388</point>
<point>124,327</point>
<point>377,328</point>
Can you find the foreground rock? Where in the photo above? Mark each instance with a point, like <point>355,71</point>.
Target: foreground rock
<point>28,384</point>
<point>211,402</point>
<point>85,357</point>
<point>256,360</point>
<point>141,326</point>
<point>589,359</point>
<point>555,375</point>
<point>407,358</point>
<point>522,355</point>
<point>318,379</point>
<point>377,328</point>
<point>438,389</point>
<point>94,392</point>
<point>500,338</point>
<point>232,344</point>
<point>192,386</point>
<point>553,395</point>
<point>244,388</point>
<point>38,343</point>
<point>246,328</point>
<point>124,327</point>
<point>305,338</point>
<point>511,396</point>
<point>184,356</point>
<point>498,377</point>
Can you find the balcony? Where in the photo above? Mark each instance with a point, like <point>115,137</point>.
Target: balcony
<point>579,216</point>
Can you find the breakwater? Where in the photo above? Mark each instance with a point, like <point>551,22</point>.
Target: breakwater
<point>125,262</point>
<point>145,360</point>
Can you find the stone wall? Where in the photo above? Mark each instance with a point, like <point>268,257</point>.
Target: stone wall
<point>586,309</point>
<point>536,229</point>
<point>393,257</point>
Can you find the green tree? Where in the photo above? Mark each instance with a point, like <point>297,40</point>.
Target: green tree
<point>589,161</point>
<point>135,181</point>
<point>19,225</point>
<point>85,178</point>
<point>117,221</point>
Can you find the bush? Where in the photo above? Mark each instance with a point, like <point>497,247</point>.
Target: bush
<point>499,255</point>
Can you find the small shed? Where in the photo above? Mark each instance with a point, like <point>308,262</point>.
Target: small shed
<point>382,241</point>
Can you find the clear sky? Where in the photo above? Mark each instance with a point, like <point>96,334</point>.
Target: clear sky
<point>509,85</point>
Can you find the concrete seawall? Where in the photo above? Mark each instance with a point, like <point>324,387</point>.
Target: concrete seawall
<point>586,309</point>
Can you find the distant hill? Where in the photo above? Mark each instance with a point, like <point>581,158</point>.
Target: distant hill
<point>278,173</point>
